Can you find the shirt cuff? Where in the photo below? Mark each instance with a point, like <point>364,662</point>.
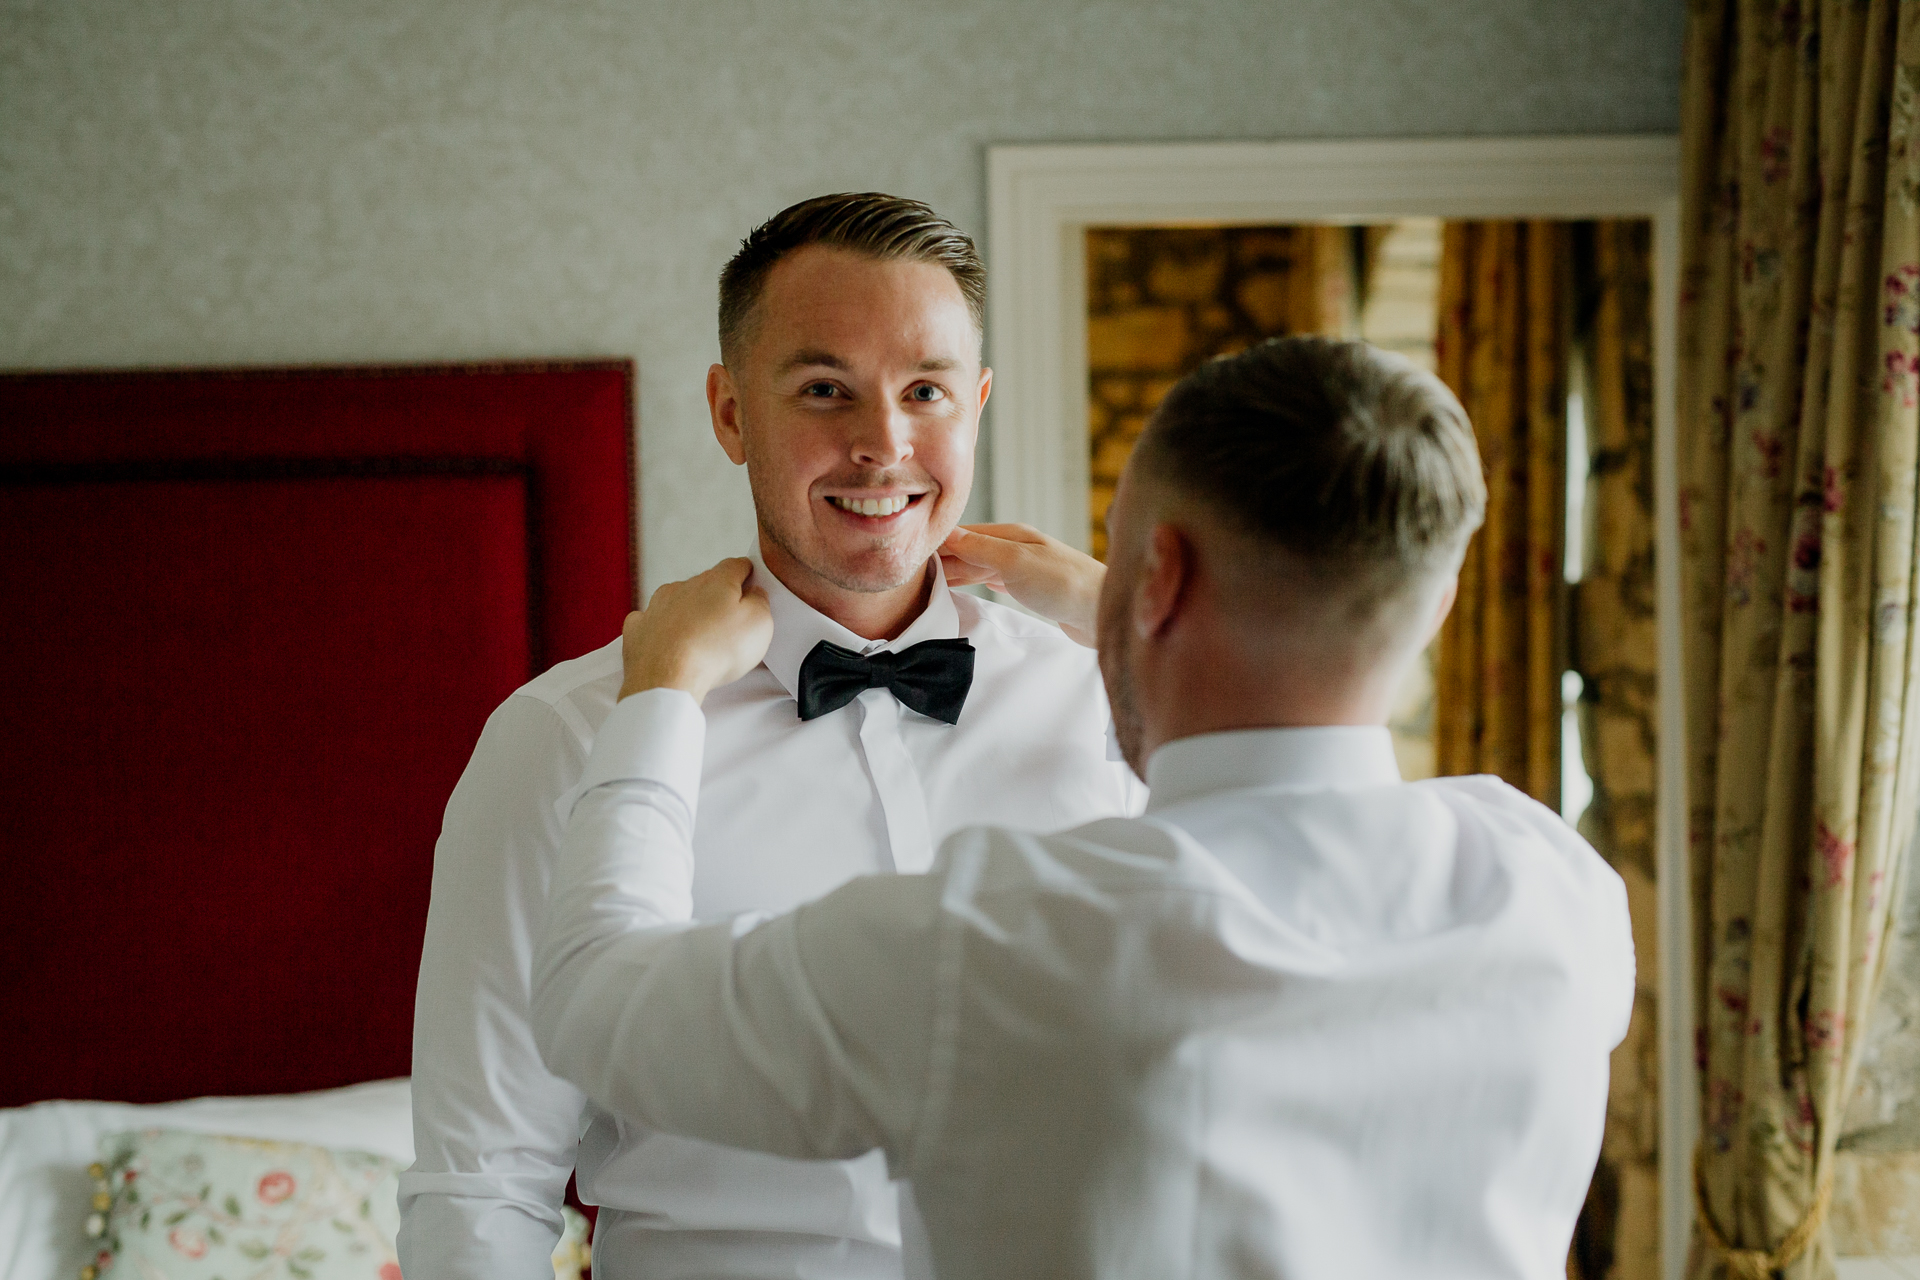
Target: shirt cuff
<point>659,736</point>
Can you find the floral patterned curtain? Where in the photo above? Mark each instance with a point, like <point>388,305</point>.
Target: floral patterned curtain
<point>1799,336</point>
<point>1503,350</point>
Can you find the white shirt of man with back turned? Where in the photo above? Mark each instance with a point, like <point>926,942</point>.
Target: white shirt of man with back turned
<point>1300,1019</point>
<point>887,713</point>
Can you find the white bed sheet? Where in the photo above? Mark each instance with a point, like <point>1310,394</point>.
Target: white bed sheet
<point>45,1150</point>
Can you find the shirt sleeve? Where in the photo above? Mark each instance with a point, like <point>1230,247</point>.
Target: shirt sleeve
<point>806,1036</point>
<point>494,1130</point>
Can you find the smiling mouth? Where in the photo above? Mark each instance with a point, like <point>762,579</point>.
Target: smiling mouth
<point>877,508</point>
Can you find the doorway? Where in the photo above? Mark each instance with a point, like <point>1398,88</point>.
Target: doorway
<point>1045,427</point>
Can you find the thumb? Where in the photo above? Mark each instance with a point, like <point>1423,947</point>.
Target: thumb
<point>726,579</point>
<point>977,548</point>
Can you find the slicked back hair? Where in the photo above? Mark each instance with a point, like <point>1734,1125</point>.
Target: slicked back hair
<point>879,226</point>
<point>1355,460</point>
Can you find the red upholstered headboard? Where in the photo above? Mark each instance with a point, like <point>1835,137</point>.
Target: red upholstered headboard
<point>251,623</point>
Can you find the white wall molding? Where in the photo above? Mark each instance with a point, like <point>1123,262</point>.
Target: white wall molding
<point>1042,199</point>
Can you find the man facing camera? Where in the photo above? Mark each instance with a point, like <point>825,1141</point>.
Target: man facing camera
<point>886,712</point>
<point>1301,1019</point>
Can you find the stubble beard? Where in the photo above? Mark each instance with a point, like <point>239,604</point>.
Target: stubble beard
<point>895,577</point>
<point>1122,702</point>
<point>846,580</point>
<point>889,579</point>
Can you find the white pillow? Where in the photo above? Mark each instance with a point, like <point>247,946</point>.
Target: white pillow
<point>45,1150</point>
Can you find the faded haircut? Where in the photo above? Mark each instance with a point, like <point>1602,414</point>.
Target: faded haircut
<point>1357,461</point>
<point>879,226</point>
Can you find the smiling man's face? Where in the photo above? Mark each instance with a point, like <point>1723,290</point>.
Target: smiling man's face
<point>855,407</point>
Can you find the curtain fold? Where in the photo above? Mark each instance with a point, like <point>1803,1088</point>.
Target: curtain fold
<point>1615,640</point>
<point>1799,330</point>
<point>1615,648</point>
<point>1503,349</point>
<point>1524,306</point>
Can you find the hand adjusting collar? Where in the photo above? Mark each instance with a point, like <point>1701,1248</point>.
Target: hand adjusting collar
<point>931,677</point>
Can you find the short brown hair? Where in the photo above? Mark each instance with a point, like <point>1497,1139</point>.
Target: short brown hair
<point>1349,457</point>
<point>867,222</point>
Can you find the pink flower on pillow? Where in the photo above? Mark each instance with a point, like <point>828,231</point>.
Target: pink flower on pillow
<point>188,1243</point>
<point>274,1187</point>
<point>389,1271</point>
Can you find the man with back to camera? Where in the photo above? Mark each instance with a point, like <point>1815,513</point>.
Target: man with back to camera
<point>850,387</point>
<point>1301,1019</point>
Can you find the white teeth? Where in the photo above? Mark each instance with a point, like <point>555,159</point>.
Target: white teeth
<point>872,506</point>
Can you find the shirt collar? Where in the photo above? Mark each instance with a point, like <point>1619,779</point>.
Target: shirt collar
<point>1326,758</point>
<point>798,626</point>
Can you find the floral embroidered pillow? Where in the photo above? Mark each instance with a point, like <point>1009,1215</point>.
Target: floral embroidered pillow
<point>189,1206</point>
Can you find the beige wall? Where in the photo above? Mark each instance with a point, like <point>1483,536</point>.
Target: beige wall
<point>246,181</point>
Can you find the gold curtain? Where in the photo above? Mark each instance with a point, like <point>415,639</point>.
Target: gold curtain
<point>1616,651</point>
<point>1503,350</point>
<point>1799,353</point>
<point>1615,642</point>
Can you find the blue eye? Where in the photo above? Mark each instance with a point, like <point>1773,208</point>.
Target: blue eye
<point>926,391</point>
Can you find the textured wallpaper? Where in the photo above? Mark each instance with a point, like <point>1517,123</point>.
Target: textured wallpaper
<point>249,181</point>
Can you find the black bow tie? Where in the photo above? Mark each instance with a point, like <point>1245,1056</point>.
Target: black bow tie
<point>931,677</point>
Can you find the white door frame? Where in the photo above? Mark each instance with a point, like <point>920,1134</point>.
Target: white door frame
<point>1042,199</point>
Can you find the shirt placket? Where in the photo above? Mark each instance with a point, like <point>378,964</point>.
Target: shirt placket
<point>896,780</point>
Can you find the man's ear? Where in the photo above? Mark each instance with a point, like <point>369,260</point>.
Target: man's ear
<point>723,404</point>
<point>1166,580</point>
<point>986,389</point>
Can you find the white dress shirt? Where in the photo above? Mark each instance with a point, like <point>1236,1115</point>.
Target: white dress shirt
<point>1301,1019</point>
<point>790,810</point>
